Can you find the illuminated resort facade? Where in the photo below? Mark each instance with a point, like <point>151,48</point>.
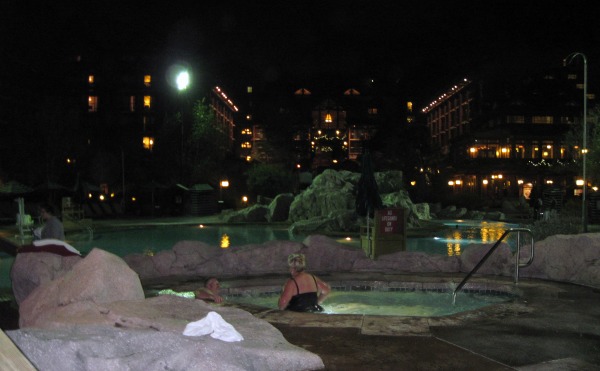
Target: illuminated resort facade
<point>324,129</point>
<point>503,139</point>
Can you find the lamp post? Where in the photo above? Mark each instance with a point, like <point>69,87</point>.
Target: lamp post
<point>182,81</point>
<point>584,150</point>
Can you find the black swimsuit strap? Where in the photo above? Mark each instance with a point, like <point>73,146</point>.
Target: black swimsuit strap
<point>297,288</point>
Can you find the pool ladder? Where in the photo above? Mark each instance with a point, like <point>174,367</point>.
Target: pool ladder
<point>518,264</point>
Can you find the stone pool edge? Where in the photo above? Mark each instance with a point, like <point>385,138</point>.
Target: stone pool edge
<point>390,325</point>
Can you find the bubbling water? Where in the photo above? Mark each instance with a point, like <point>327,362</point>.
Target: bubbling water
<point>397,303</point>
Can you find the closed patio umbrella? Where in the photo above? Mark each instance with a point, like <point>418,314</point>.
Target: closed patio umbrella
<point>367,196</point>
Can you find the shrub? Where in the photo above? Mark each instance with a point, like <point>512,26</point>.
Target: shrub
<point>269,180</point>
<point>568,221</point>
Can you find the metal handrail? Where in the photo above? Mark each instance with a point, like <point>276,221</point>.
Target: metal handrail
<point>487,255</point>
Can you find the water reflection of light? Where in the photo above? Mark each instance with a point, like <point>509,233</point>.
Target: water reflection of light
<point>149,252</point>
<point>486,232</point>
<point>224,241</point>
<point>454,248</point>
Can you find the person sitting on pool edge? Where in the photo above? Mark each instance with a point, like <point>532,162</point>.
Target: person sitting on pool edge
<point>52,228</point>
<point>210,291</point>
<point>303,292</point>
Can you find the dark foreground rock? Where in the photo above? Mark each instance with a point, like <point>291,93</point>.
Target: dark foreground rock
<point>147,335</point>
<point>95,317</point>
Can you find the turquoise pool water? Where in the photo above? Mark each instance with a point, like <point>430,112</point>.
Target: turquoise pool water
<point>418,303</point>
<point>152,239</point>
<point>397,303</point>
<point>123,242</point>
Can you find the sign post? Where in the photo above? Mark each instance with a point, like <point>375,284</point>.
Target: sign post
<point>387,235</point>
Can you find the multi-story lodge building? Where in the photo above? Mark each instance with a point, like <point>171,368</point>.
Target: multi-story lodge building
<point>501,138</point>
<point>320,128</point>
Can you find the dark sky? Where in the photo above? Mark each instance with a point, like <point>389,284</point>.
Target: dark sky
<point>421,46</point>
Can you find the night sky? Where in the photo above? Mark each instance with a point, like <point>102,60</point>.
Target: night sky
<point>420,47</point>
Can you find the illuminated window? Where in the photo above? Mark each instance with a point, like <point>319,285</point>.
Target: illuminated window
<point>572,76</point>
<point>542,119</point>
<point>249,89</point>
<point>328,118</point>
<point>148,142</point>
<point>132,103</point>
<point>147,80</point>
<point>518,119</point>
<point>92,103</point>
<point>409,106</point>
<point>503,152</point>
<point>547,150</point>
<point>147,101</point>
<point>246,145</point>
<point>372,111</point>
<point>91,79</point>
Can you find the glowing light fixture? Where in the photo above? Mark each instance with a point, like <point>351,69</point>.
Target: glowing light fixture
<point>183,80</point>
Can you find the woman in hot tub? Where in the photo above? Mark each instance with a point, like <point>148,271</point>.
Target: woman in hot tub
<point>304,291</point>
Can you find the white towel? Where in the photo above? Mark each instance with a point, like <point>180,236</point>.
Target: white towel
<point>54,241</point>
<point>214,325</point>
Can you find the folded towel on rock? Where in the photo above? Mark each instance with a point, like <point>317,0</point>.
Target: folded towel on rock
<point>214,325</point>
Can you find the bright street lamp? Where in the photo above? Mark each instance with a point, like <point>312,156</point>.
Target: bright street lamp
<point>182,80</point>
<point>584,150</point>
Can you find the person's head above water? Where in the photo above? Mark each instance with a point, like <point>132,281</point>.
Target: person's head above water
<point>297,261</point>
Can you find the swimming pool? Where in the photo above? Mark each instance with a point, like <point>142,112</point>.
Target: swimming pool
<point>152,239</point>
<point>448,241</point>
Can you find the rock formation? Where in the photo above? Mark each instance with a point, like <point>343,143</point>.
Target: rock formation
<point>328,204</point>
<point>95,317</point>
<point>31,270</point>
<point>568,258</point>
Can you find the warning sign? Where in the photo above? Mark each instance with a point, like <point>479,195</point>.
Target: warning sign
<point>391,221</point>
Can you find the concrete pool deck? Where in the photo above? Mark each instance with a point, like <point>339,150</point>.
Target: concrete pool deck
<point>551,326</point>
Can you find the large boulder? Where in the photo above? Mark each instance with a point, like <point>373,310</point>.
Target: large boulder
<point>566,258</point>
<point>148,335</point>
<point>32,269</point>
<point>332,195</point>
<point>99,278</point>
<point>96,317</point>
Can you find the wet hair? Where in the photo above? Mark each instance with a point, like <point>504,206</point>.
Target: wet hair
<point>297,261</point>
<point>208,281</point>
